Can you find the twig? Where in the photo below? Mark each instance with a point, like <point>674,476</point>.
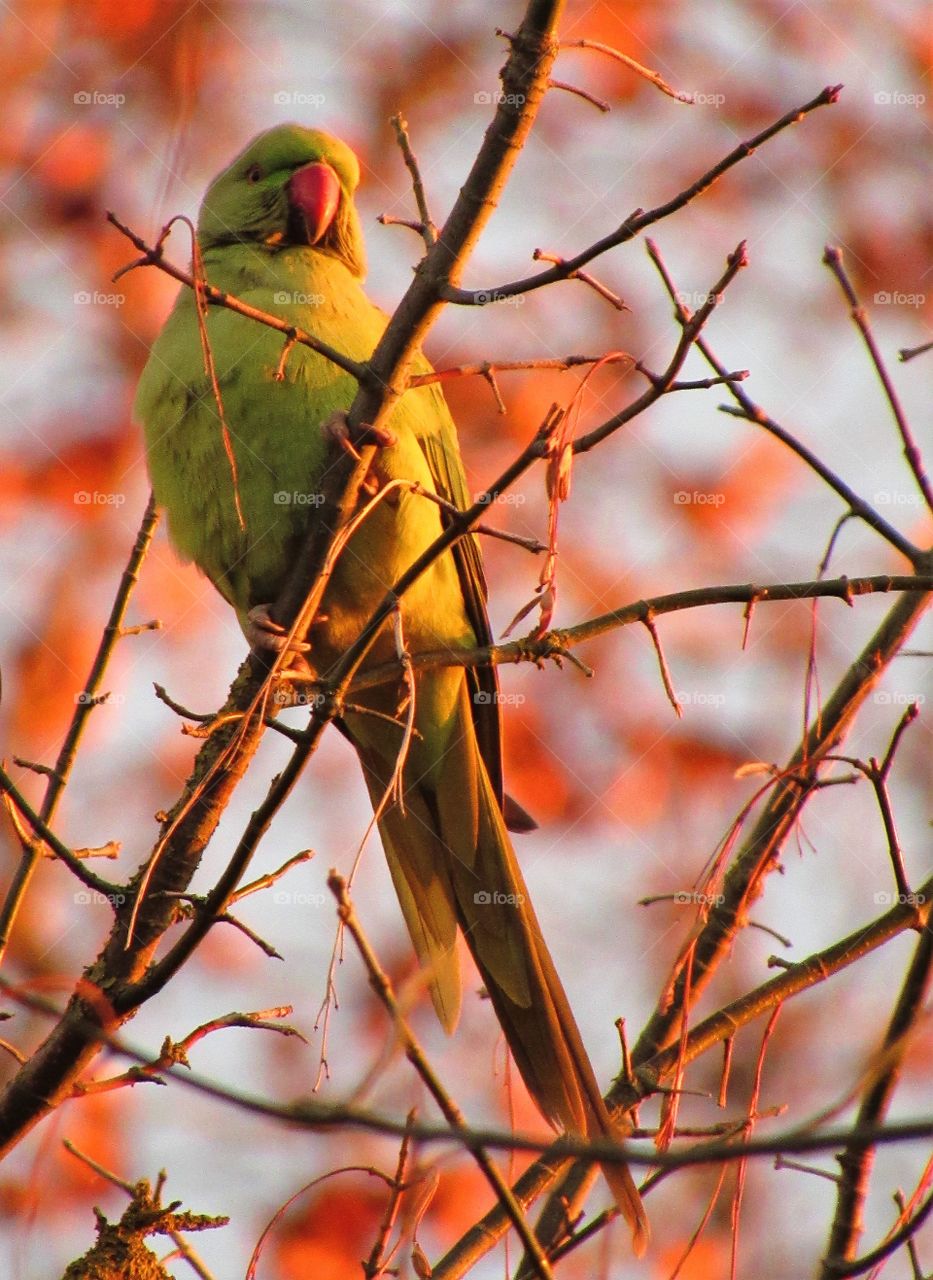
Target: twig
<point>908,353</point>
<point>271,877</point>
<point>742,1169</point>
<point>639,220</point>
<point>61,772</point>
<point>857,1159</point>
<point>746,408</point>
<point>580,93</point>
<point>484,367</point>
<point>537,649</point>
<point>43,832</point>
<point>374,1266</point>
<point>585,277</point>
<point>877,774</point>
<point>691,329</point>
<point>175,1052</point>
<point>663,667</point>
<point>426,226</point>
<point>529,544</point>
<point>153,256</point>
<point>884,1251</point>
<point>916,1269</point>
<point>653,77</point>
<point>781,1162</point>
<point>416,1056</point>
<point>833,259</point>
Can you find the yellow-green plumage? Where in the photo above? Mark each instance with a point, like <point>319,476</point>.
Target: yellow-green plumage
<point>448,850</point>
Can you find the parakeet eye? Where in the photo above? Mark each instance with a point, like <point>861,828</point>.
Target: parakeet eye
<point>253,173</point>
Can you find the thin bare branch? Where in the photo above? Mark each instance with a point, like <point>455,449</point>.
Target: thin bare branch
<point>833,259</point>
<point>416,1056</point>
<point>638,221</point>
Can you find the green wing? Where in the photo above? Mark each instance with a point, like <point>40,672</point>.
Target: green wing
<point>440,448</point>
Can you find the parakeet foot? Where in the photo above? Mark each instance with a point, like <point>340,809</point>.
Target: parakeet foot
<point>263,632</point>
<point>337,431</point>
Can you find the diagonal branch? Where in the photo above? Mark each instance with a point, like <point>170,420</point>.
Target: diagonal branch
<point>639,220</point>
<point>857,1159</point>
<point>833,259</point>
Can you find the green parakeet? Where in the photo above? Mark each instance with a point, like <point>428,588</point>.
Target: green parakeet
<point>279,230</point>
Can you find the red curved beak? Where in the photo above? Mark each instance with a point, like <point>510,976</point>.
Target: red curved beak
<point>313,197</point>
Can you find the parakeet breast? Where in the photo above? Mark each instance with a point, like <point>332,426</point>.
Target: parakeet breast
<point>237,451</point>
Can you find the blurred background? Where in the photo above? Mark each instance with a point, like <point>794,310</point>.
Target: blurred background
<point>134,108</point>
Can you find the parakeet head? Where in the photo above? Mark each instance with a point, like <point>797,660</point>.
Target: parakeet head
<point>290,186</point>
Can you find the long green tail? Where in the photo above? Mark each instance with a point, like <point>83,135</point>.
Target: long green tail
<point>453,867</point>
